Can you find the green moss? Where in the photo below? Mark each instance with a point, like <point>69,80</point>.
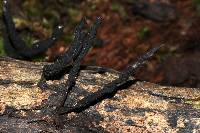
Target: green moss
<point>69,38</point>
<point>195,104</point>
<point>196,4</point>
<point>117,7</point>
<point>74,13</point>
<point>2,52</point>
<point>1,11</point>
<point>39,59</point>
<point>93,7</point>
<point>144,32</point>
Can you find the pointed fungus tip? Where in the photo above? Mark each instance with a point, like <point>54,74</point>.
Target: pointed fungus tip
<point>5,1</point>
<point>60,26</point>
<point>5,4</point>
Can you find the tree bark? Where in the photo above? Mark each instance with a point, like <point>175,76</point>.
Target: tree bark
<point>136,107</point>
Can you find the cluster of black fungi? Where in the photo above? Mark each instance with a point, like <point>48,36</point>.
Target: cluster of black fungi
<point>15,47</point>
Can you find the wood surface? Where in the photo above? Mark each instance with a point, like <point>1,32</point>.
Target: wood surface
<point>138,106</point>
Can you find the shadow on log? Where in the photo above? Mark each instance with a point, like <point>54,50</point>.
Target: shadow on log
<point>136,107</point>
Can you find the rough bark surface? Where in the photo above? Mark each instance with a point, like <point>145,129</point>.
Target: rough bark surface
<point>136,107</point>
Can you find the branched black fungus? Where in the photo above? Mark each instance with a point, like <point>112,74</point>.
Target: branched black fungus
<point>14,43</point>
<point>110,87</point>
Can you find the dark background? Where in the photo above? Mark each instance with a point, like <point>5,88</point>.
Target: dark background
<point>129,28</point>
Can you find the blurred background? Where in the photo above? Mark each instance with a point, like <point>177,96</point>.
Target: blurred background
<point>129,28</point>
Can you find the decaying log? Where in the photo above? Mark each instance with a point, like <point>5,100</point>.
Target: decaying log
<point>136,107</point>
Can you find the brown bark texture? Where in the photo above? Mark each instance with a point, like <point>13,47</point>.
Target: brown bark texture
<point>137,106</point>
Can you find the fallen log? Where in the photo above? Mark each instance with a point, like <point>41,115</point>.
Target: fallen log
<point>137,107</point>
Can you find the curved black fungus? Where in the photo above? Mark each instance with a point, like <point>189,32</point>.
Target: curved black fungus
<point>56,70</point>
<point>41,46</point>
<point>14,43</point>
<point>10,51</point>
